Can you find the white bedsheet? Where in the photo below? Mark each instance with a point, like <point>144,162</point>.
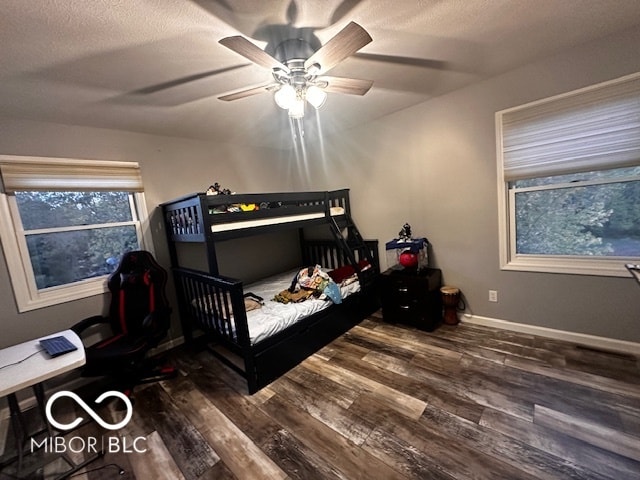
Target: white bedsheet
<point>273,316</point>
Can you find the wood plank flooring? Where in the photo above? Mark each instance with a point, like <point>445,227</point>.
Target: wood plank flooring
<point>390,402</point>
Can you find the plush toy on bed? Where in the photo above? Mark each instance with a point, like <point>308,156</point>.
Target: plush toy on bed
<point>332,291</point>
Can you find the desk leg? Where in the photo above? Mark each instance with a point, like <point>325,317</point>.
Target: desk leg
<point>38,390</point>
<point>19,427</point>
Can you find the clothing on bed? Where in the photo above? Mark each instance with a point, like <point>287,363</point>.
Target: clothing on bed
<point>308,282</point>
<point>252,301</point>
<point>273,316</point>
<point>287,296</point>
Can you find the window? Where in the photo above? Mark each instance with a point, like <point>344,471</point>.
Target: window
<point>65,224</point>
<point>569,181</point>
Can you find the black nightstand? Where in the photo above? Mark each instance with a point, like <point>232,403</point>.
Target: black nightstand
<point>412,297</point>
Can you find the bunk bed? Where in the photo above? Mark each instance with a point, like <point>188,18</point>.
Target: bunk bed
<point>219,308</point>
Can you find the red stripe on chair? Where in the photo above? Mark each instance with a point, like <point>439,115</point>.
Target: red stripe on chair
<point>152,298</point>
<point>123,319</point>
<point>109,341</point>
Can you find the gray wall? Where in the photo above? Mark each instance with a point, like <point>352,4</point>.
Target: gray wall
<point>433,165</point>
<point>171,167</point>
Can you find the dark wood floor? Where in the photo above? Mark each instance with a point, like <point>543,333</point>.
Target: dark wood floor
<point>390,402</point>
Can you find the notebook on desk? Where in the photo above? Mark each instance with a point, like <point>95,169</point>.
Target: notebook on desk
<point>56,346</point>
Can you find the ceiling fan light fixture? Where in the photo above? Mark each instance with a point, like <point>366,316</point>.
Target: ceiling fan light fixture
<point>296,110</point>
<point>316,96</point>
<point>285,97</point>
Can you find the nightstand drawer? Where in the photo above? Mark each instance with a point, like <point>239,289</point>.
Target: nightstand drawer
<point>412,297</point>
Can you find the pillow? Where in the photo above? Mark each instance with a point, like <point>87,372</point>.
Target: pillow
<point>339,274</point>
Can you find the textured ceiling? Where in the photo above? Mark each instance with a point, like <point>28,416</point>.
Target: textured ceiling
<point>155,66</point>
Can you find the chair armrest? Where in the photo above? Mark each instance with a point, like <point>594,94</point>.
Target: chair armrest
<point>82,325</point>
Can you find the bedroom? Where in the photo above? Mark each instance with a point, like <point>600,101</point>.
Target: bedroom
<point>431,163</point>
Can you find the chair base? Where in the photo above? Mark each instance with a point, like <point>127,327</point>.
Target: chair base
<point>158,374</point>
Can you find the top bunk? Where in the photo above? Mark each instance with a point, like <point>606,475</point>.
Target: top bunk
<point>199,217</point>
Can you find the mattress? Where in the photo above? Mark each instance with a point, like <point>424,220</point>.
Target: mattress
<point>273,316</point>
<point>225,227</point>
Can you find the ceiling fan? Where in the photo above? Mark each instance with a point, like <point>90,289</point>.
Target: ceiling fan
<point>299,71</point>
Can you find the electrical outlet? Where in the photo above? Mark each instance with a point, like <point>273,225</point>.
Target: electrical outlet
<point>493,295</point>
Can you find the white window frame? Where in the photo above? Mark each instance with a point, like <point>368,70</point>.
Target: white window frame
<point>12,235</point>
<point>571,264</point>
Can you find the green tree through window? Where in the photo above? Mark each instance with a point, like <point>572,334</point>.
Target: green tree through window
<point>587,214</point>
<point>73,236</point>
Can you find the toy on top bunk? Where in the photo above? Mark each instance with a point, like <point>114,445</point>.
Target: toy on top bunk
<point>310,282</point>
<point>216,189</point>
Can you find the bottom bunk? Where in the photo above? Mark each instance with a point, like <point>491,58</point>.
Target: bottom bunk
<point>270,337</point>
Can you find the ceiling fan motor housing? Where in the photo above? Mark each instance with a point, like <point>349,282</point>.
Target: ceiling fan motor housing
<point>293,49</point>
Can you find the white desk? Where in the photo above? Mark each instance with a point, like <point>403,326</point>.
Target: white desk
<point>28,365</point>
<point>33,365</point>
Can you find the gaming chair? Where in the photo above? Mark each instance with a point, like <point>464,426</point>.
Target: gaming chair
<point>139,317</point>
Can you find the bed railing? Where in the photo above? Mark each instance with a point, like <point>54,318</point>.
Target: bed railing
<point>214,304</point>
<point>330,255</point>
<point>191,218</point>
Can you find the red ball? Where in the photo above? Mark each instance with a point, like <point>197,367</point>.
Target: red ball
<point>408,259</point>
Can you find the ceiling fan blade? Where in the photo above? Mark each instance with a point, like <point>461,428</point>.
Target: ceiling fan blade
<point>412,61</point>
<point>248,91</point>
<point>244,47</point>
<point>346,42</point>
<point>350,86</point>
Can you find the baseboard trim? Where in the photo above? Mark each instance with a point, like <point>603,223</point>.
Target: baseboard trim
<point>163,347</point>
<point>592,341</point>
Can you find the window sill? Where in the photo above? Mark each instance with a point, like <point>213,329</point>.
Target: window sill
<point>570,265</point>
<point>55,296</point>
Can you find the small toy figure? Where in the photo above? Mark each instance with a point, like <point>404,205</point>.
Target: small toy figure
<point>215,189</point>
<point>405,233</point>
